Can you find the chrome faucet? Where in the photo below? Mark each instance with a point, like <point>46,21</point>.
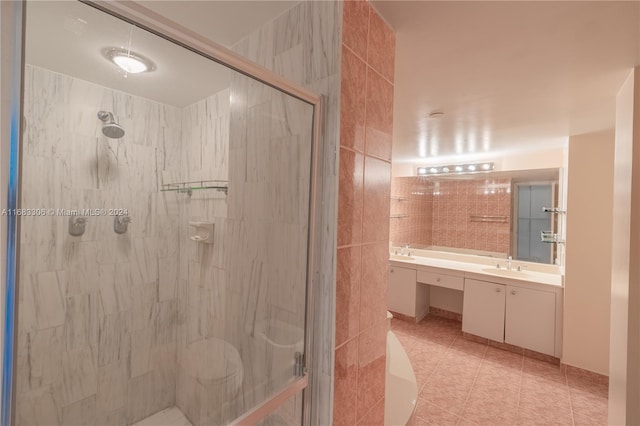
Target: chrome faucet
<point>509,263</point>
<point>405,250</point>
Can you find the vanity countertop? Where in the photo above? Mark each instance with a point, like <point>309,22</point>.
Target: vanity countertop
<point>480,271</point>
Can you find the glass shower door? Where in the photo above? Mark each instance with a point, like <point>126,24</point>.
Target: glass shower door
<point>165,242</point>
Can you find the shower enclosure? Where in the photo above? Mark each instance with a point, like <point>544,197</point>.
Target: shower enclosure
<point>165,233</point>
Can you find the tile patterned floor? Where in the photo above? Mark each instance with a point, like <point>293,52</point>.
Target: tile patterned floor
<point>461,382</point>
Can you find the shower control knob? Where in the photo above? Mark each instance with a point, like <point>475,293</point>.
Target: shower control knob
<point>77,225</point>
<point>120,224</point>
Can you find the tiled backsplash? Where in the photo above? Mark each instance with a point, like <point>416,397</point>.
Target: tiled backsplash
<point>411,212</point>
<point>466,214</point>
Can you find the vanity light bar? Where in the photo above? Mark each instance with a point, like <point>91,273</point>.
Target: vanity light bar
<point>455,169</point>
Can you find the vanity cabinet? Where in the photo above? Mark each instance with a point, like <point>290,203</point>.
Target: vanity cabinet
<point>454,282</point>
<point>404,296</point>
<point>530,319</point>
<point>483,309</point>
<point>516,315</point>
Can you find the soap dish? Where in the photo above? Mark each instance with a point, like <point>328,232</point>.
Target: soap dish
<point>203,232</point>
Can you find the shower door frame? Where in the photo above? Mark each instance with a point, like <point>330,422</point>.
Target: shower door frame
<point>11,89</point>
<point>146,19</point>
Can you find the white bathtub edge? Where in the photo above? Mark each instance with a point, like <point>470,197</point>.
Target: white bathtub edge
<point>401,389</point>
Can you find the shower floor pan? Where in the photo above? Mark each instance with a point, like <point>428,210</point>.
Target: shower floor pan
<point>168,417</point>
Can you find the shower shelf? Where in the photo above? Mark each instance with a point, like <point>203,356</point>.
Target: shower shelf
<point>555,210</point>
<point>189,187</point>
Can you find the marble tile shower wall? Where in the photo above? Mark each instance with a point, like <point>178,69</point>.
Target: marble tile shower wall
<point>205,153</point>
<point>202,275</point>
<point>266,229</point>
<point>96,339</point>
<point>303,45</point>
<point>105,321</point>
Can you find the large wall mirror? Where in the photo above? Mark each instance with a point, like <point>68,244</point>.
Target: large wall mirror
<point>496,214</point>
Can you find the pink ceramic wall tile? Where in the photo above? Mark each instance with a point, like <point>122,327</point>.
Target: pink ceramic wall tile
<point>364,208</point>
<point>381,47</point>
<point>345,388</point>
<point>350,197</point>
<point>371,367</point>
<point>373,287</point>
<point>379,119</point>
<point>348,277</point>
<point>352,101</point>
<point>377,176</point>
<point>355,28</point>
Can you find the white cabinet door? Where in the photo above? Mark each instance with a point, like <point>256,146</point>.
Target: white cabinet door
<point>530,321</point>
<point>483,309</point>
<point>402,291</point>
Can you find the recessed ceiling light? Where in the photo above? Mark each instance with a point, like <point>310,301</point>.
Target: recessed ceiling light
<point>459,168</point>
<point>433,170</point>
<point>471,167</point>
<point>128,61</point>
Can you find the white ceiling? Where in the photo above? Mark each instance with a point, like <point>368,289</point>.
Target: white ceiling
<point>68,36</point>
<point>225,22</point>
<point>509,76</point>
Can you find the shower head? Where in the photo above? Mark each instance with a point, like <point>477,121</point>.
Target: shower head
<point>110,128</point>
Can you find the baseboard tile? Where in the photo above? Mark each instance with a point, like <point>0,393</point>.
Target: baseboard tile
<point>403,317</point>
<point>512,348</point>
<point>590,376</point>
<point>437,312</point>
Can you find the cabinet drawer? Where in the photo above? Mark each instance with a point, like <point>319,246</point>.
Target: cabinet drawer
<point>441,280</point>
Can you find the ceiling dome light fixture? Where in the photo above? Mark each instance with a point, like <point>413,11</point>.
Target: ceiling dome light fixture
<point>130,62</point>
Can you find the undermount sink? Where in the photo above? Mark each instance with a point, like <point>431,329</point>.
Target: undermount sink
<point>506,272</point>
<point>400,257</point>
